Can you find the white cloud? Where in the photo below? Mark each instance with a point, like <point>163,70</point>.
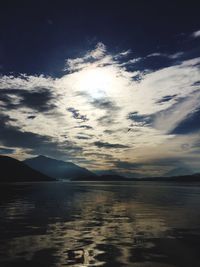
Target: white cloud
<point>25,82</point>
<point>171,56</point>
<point>94,55</point>
<point>122,54</point>
<point>176,55</point>
<point>156,54</point>
<point>102,89</point>
<point>98,52</point>
<point>195,34</point>
<point>168,120</point>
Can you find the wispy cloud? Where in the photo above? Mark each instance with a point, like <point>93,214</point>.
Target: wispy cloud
<point>6,151</point>
<point>90,57</point>
<point>170,56</point>
<point>108,145</point>
<point>107,102</point>
<point>76,115</point>
<point>196,34</point>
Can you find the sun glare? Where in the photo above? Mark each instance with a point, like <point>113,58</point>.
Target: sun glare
<point>96,81</point>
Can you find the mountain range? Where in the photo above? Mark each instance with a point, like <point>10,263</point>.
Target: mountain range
<point>42,168</point>
<point>58,169</point>
<point>183,178</point>
<point>12,170</point>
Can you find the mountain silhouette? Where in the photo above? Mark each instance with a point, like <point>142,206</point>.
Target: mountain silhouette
<point>103,178</point>
<point>42,168</point>
<point>58,169</point>
<point>13,170</point>
<point>108,178</point>
<point>179,171</point>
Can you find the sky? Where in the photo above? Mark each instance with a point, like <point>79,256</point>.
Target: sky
<point>113,86</point>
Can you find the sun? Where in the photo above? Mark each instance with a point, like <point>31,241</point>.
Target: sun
<point>95,81</point>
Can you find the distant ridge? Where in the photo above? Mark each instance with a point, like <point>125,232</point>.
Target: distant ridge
<point>183,171</point>
<point>13,170</point>
<point>58,169</point>
<point>42,168</point>
<point>102,178</point>
<point>184,178</point>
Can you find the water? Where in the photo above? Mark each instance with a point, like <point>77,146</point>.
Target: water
<point>95,224</point>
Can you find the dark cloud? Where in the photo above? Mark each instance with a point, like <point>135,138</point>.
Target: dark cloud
<point>87,127</point>
<point>39,99</point>
<point>166,99</point>
<point>109,131</point>
<point>4,150</point>
<point>138,78</point>
<point>196,83</point>
<point>141,119</point>
<point>76,114</point>
<point>189,125</point>
<point>106,120</point>
<point>31,117</point>
<point>81,137</point>
<point>108,145</point>
<point>104,103</point>
<point>12,136</point>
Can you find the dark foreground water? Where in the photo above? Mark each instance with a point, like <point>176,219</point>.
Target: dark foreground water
<point>111,224</point>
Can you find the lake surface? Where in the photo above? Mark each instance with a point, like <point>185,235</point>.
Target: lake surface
<point>94,224</point>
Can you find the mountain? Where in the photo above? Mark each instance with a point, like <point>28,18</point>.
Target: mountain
<point>58,169</point>
<point>104,178</point>
<point>105,172</point>
<point>119,178</point>
<point>182,178</point>
<point>179,172</point>
<point>13,170</point>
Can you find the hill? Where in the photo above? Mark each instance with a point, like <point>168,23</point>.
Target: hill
<point>102,178</point>
<point>13,170</point>
<point>184,178</point>
<point>58,169</point>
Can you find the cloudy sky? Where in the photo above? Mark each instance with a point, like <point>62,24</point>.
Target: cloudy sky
<point>107,86</point>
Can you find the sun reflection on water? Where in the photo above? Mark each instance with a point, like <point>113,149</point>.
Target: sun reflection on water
<point>94,227</point>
